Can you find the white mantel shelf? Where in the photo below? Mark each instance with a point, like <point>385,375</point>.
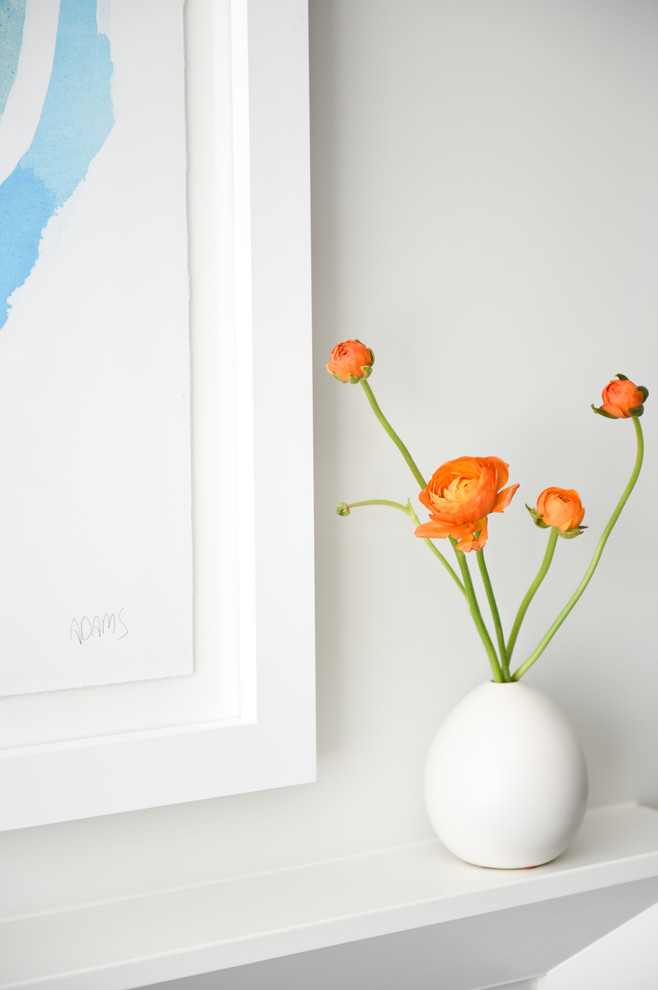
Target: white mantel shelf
<point>177,933</point>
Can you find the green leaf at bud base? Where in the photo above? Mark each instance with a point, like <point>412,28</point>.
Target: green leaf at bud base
<point>536,518</point>
<point>568,534</point>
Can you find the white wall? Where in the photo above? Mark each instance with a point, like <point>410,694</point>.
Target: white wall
<point>485,213</point>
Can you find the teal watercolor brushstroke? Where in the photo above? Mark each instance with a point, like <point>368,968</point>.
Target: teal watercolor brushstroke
<point>77,113</point>
<point>12,18</point>
<point>76,119</point>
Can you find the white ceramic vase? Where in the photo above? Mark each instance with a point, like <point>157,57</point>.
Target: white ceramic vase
<point>505,779</point>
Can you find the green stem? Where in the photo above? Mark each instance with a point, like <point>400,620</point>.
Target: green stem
<point>409,512</point>
<point>437,553</point>
<point>379,501</point>
<point>416,473</point>
<point>392,434</point>
<point>477,615</point>
<point>595,559</point>
<point>484,573</point>
<point>541,574</point>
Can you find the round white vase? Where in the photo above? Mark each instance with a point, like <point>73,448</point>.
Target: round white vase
<point>505,779</point>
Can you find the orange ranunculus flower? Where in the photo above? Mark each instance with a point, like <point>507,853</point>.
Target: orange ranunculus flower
<point>460,495</point>
<point>622,399</point>
<point>350,361</point>
<point>560,507</point>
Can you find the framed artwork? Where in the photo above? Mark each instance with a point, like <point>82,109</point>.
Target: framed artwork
<point>94,351</point>
<point>155,387</point>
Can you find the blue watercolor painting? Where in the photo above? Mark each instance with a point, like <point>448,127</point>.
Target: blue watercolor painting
<point>76,119</point>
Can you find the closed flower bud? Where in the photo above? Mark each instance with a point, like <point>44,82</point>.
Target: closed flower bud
<point>351,361</point>
<point>560,508</point>
<point>343,509</point>
<point>622,399</point>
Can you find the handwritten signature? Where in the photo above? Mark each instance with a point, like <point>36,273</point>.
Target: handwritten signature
<point>110,625</point>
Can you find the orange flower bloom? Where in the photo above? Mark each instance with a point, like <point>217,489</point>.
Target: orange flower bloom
<point>350,361</point>
<point>622,399</point>
<point>460,495</point>
<point>561,508</point>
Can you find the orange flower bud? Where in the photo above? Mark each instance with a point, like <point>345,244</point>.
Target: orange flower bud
<point>460,495</point>
<point>351,361</point>
<point>622,399</point>
<point>561,508</point>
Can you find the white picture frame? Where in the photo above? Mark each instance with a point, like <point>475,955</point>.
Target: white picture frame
<point>264,527</point>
